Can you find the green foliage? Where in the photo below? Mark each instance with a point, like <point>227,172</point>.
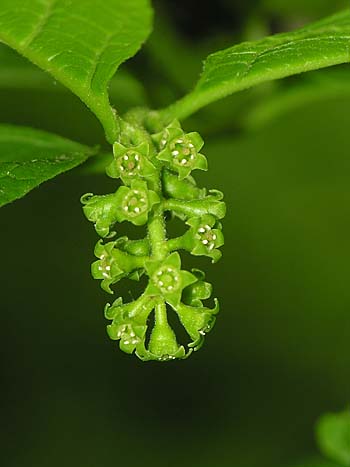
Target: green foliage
<point>87,70</point>
<point>18,73</point>
<point>79,43</point>
<point>21,80</point>
<point>315,46</point>
<point>283,286</point>
<point>29,157</point>
<point>145,169</point>
<point>333,435</point>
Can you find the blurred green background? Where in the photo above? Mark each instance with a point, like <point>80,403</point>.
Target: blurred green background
<point>279,354</point>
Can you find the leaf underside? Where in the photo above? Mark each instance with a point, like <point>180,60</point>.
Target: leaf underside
<point>80,43</point>
<point>29,157</point>
<point>18,73</point>
<point>315,46</point>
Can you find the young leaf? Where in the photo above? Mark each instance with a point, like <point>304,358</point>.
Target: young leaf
<point>333,434</point>
<point>315,46</point>
<point>80,43</point>
<point>29,157</point>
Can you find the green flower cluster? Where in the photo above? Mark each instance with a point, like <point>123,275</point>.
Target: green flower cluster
<point>156,176</point>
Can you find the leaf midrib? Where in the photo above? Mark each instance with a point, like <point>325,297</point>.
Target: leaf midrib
<point>39,27</point>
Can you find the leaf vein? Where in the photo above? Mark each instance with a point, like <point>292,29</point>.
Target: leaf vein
<point>40,26</point>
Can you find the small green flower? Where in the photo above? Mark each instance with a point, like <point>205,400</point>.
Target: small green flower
<point>172,131</point>
<point>129,326</point>
<point>166,168</point>
<point>130,162</point>
<point>205,236</point>
<point>114,264</point>
<point>181,150</point>
<point>196,318</point>
<point>102,210</point>
<point>130,335</point>
<point>106,268</point>
<point>197,321</point>
<point>134,203</point>
<point>167,279</point>
<point>198,291</point>
<point>163,344</point>
<point>129,323</point>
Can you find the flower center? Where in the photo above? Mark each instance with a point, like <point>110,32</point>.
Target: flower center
<point>183,151</point>
<point>105,267</point>
<point>207,236</point>
<point>167,279</point>
<point>130,163</point>
<point>135,203</point>
<point>127,335</point>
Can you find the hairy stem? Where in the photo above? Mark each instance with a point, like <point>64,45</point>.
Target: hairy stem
<point>157,234</point>
<point>161,313</point>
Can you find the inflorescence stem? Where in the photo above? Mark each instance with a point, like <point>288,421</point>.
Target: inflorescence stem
<point>156,175</point>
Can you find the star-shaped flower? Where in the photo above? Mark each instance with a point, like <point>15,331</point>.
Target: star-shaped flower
<point>102,210</point>
<point>130,162</point>
<point>114,264</point>
<point>167,280</point>
<point>134,203</point>
<point>197,321</point>
<point>129,323</point>
<point>180,150</point>
<point>196,318</point>
<point>205,237</point>
<point>198,291</point>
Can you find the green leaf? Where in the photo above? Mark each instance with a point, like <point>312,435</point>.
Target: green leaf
<point>17,72</point>
<point>331,83</point>
<point>80,43</point>
<point>29,157</point>
<point>333,435</point>
<point>318,45</point>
